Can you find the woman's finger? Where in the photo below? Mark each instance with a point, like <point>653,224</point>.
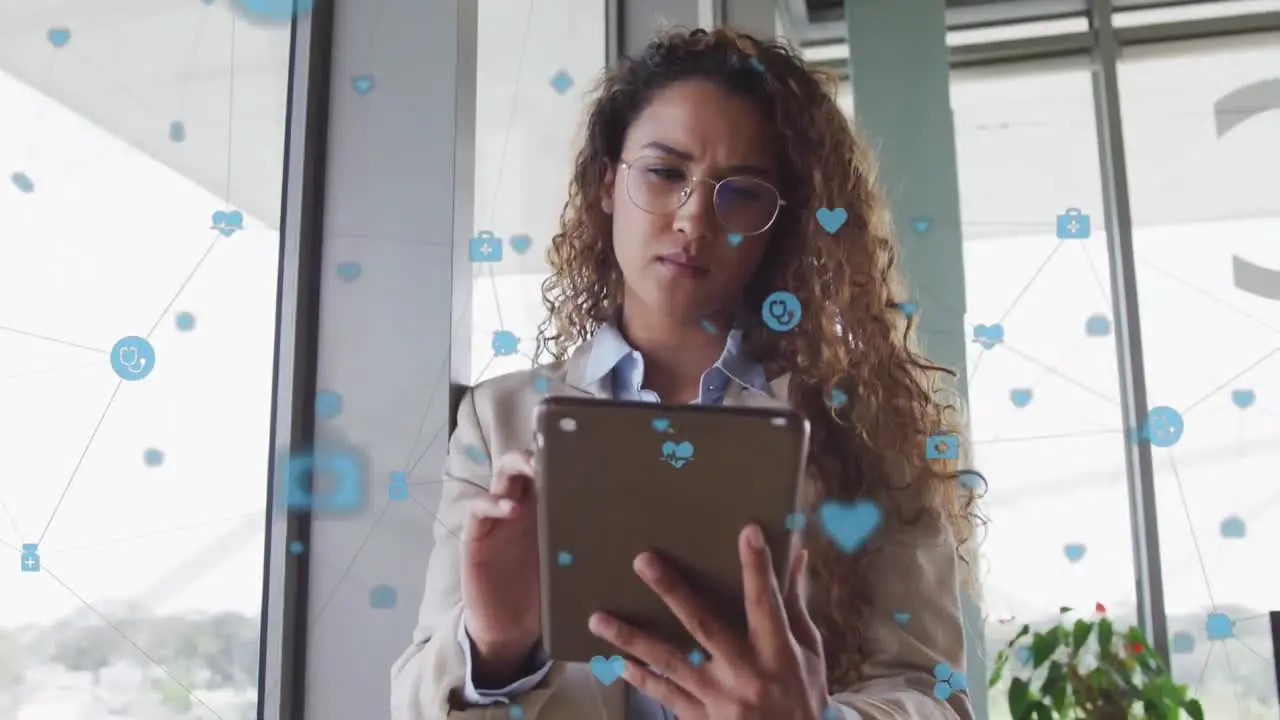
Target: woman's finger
<point>766,619</point>
<point>701,620</point>
<point>667,693</point>
<point>511,474</point>
<point>675,666</point>
<point>483,511</point>
<point>802,626</point>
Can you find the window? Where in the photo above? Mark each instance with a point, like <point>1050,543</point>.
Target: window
<point>1202,131</point>
<point>141,198</point>
<point>535,70</point>
<point>1043,384</point>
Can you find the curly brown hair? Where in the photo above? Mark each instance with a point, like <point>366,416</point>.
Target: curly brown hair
<point>870,447</point>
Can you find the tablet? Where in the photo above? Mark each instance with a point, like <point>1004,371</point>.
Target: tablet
<point>617,478</point>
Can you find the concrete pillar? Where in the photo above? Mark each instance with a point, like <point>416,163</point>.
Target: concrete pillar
<point>900,73</point>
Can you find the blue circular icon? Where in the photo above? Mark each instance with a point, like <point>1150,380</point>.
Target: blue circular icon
<point>781,311</point>
<point>1164,426</point>
<point>133,358</point>
<point>153,457</point>
<point>185,321</point>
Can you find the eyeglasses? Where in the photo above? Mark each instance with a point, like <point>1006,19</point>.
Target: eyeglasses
<point>743,205</point>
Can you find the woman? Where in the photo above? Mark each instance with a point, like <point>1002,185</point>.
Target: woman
<point>694,198</point>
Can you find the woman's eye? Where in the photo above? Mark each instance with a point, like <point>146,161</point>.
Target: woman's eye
<point>665,173</point>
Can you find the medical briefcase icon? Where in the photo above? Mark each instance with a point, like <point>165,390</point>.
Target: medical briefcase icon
<point>1073,225</point>
<point>485,247</point>
<point>30,557</point>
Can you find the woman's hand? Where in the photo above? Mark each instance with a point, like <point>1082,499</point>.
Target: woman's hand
<point>500,572</point>
<point>777,672</point>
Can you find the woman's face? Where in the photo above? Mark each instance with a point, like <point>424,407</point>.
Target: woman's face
<point>692,261</point>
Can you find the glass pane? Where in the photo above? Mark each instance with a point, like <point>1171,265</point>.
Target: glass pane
<point>1183,12</point>
<point>1202,134</point>
<point>535,68</point>
<point>142,164</point>
<point>1043,385</point>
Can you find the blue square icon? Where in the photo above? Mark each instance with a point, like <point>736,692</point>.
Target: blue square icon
<point>325,482</point>
<point>1073,225</point>
<point>485,247</point>
<point>942,447</point>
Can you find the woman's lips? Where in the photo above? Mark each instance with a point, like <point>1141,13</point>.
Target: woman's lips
<point>682,267</point>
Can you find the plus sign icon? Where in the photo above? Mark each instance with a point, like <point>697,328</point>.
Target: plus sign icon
<point>485,247</point>
<point>30,557</point>
<point>1073,225</point>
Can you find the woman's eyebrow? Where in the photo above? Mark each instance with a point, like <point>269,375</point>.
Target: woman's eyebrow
<point>734,169</point>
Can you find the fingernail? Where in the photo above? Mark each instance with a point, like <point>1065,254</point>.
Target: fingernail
<point>646,566</point>
<point>754,537</point>
<point>506,505</point>
<point>599,623</point>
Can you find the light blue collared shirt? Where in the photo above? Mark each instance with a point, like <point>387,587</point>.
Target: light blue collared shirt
<point>612,356</point>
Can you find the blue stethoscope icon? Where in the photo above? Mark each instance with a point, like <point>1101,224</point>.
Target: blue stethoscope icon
<point>133,358</point>
<point>781,311</point>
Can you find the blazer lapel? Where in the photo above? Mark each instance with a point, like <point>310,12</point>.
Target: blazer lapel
<point>575,373</point>
<point>775,396</point>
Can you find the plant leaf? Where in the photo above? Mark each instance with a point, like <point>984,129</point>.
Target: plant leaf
<point>1043,646</point>
<point>1020,699</point>
<point>1194,710</point>
<point>997,671</point>
<point>1080,633</point>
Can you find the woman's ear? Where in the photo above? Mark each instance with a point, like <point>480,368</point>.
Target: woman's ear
<point>606,195</point>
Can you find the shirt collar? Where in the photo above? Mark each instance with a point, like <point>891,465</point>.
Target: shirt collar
<point>609,349</point>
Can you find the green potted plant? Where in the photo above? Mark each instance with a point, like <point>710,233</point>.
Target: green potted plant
<point>1089,672</point>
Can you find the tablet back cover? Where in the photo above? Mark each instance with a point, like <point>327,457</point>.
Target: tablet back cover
<point>618,478</point>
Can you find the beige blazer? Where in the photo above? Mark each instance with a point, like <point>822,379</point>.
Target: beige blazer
<point>918,575</point>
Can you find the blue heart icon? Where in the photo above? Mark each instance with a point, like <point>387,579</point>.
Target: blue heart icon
<point>661,425</point>
<point>228,222</point>
<point>850,524</point>
<point>59,36</point>
<point>1073,551</point>
<point>349,271</point>
<point>607,670</point>
<point>988,336</point>
<point>735,239</point>
<point>1020,397</point>
<point>837,398</point>
<point>677,453</point>
<point>520,244</point>
<point>832,220</point>
<point>362,84</point>
<point>1243,398</point>
<point>921,224</point>
<point>902,618</point>
<point>561,82</point>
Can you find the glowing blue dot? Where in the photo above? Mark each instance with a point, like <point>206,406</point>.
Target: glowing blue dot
<point>272,11</point>
<point>382,597</point>
<point>349,271</point>
<point>177,131</point>
<point>185,321</point>
<point>23,182</point>
<point>328,405</point>
<point>515,712</point>
<point>295,547</point>
<point>1232,527</point>
<point>1098,326</point>
<point>153,457</point>
<point>697,657</point>
<point>561,82</point>
<point>1218,626</point>
<point>564,558</point>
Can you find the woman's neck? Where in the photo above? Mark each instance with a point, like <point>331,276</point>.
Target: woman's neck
<point>676,354</point>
